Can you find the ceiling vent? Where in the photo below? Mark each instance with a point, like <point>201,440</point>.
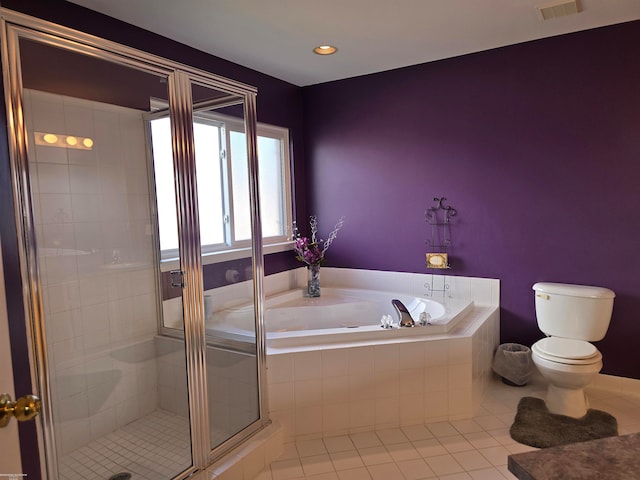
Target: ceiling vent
<point>556,9</point>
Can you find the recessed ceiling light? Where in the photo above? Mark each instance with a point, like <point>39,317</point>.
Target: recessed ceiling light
<point>325,50</point>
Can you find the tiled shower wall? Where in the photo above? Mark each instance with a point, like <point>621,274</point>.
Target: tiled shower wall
<point>95,257</point>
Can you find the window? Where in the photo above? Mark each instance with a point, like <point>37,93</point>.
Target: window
<point>223,185</point>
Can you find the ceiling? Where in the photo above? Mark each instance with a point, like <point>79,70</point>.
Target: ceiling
<point>277,37</point>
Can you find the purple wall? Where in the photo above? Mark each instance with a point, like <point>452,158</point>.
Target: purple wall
<point>536,145</point>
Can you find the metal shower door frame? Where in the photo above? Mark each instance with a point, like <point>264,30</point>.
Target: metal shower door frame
<point>15,26</point>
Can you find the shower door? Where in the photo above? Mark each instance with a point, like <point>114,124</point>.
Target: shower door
<point>230,288</point>
<point>104,158</point>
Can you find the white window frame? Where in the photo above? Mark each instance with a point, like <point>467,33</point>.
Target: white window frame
<point>233,249</point>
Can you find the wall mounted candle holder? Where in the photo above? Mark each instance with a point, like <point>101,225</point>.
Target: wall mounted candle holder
<point>439,217</point>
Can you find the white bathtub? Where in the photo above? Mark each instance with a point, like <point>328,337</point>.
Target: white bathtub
<point>342,315</point>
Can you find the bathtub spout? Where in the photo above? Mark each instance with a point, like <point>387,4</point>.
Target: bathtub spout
<point>404,317</point>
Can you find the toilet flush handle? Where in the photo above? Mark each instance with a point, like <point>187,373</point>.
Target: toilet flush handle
<point>544,296</point>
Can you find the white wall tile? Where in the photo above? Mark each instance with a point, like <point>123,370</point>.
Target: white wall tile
<point>436,353</point>
<point>481,291</point>
<point>307,365</point>
<point>387,412</point>
<point>361,388</point>
<point>85,207</point>
<point>460,351</point>
<point>98,341</point>
<point>361,361</point>
<point>412,382</point>
<point>53,178</point>
<point>95,318</point>
<point>280,368</point>
<point>78,118</point>
<point>93,290</point>
<point>386,358</point>
<point>281,396</point>
<point>68,351</point>
<point>436,379</point>
<point>436,405</point>
<point>335,389</point>
<point>411,355</point>
<point>55,208</point>
<point>309,420</point>
<point>84,179</point>
<point>59,298</point>
<point>361,414</point>
<point>335,418</point>
<point>386,384</point>
<point>102,423</point>
<point>128,411</point>
<point>412,409</point>
<point>73,407</point>
<point>334,362</point>
<point>459,376</point>
<point>73,434</point>
<point>47,113</point>
<point>101,397</point>
<point>307,392</point>
<point>60,268</point>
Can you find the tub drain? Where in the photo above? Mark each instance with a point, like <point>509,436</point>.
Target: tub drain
<point>120,476</point>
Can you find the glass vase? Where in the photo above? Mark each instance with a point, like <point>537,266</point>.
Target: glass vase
<point>313,281</point>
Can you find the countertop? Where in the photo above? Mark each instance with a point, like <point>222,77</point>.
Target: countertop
<point>611,458</point>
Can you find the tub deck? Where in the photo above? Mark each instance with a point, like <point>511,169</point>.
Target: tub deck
<point>339,317</point>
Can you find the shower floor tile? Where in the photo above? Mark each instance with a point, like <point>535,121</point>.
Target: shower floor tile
<point>156,446</point>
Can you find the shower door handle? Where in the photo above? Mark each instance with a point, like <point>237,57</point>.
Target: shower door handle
<point>25,408</point>
<point>177,274</point>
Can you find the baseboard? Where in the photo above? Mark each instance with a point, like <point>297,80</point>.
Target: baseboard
<point>617,384</point>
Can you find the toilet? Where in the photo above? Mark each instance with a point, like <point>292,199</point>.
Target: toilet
<point>571,316</point>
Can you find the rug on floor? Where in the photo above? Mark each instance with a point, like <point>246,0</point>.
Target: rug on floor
<point>534,425</point>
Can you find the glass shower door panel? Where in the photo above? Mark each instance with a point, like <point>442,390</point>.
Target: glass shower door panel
<point>229,296</point>
<point>119,401</point>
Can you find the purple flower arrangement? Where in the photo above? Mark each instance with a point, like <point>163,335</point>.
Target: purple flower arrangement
<point>310,250</point>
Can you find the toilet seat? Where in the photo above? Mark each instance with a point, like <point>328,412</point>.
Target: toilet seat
<point>566,350</point>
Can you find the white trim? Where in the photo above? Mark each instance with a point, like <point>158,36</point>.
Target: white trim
<point>242,248</point>
<point>10,460</point>
<point>228,255</point>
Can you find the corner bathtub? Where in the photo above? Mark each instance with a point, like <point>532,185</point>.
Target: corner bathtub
<point>339,315</point>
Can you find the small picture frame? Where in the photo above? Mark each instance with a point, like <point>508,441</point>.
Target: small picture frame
<point>437,260</point>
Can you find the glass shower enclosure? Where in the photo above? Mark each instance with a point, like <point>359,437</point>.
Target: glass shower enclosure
<point>120,172</point>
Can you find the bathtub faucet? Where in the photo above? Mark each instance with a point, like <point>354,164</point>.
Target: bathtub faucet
<point>404,317</point>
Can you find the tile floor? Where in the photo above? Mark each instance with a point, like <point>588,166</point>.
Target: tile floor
<point>476,448</point>
<point>152,447</point>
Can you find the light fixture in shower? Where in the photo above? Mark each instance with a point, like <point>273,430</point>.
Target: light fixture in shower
<point>325,50</point>
<point>63,141</point>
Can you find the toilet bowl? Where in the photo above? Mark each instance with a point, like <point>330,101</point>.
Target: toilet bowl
<point>571,316</point>
<point>568,365</point>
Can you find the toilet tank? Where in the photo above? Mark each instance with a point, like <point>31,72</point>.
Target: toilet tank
<point>573,311</point>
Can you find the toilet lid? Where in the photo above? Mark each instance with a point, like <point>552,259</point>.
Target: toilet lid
<point>566,348</point>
